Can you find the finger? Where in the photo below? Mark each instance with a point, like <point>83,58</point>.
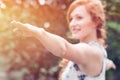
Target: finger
<point>13,25</point>
<point>16,23</point>
<point>15,30</point>
<point>114,67</point>
<point>17,26</point>
<point>13,21</point>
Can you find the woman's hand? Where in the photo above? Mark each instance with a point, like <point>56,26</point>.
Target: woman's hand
<point>26,30</point>
<point>110,64</point>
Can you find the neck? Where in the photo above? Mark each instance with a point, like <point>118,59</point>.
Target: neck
<point>89,38</point>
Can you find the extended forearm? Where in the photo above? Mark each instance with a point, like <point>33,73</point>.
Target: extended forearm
<point>55,44</point>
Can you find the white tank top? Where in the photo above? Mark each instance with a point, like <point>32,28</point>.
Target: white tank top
<point>72,72</point>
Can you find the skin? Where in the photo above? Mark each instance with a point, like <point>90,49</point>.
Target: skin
<point>110,64</point>
<point>83,28</point>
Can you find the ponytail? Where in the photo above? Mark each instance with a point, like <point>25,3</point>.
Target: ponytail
<point>101,35</point>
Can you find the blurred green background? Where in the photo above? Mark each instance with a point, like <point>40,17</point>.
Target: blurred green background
<point>24,58</point>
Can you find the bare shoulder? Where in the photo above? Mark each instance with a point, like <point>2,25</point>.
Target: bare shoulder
<point>87,49</point>
<point>82,52</point>
<point>93,56</point>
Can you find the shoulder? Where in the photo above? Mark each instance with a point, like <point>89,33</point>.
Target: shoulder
<point>90,48</point>
<point>83,52</point>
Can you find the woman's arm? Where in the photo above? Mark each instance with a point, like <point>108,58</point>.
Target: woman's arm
<point>79,53</point>
<point>54,43</point>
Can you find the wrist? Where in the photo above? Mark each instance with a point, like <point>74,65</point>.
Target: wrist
<point>39,32</point>
<point>35,30</point>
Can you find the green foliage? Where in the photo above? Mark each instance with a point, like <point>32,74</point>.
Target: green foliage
<point>113,37</point>
<point>114,25</point>
<point>113,47</point>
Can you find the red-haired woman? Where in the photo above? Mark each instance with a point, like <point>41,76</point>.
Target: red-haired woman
<point>86,60</point>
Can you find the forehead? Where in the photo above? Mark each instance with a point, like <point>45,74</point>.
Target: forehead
<point>80,10</point>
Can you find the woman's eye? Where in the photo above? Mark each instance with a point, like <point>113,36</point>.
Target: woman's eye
<point>79,17</point>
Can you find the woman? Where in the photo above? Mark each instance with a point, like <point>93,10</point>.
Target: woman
<point>86,60</point>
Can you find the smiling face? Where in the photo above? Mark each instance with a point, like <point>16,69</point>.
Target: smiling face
<point>81,24</point>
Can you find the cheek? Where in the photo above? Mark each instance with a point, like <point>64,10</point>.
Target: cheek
<point>86,30</point>
<point>70,26</point>
<point>87,26</point>
<point>70,29</point>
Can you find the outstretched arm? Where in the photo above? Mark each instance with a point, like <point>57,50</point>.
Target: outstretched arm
<point>79,53</point>
<point>55,44</point>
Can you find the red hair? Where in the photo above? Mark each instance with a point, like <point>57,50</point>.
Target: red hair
<point>96,10</point>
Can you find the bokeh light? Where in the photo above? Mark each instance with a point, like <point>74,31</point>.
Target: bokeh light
<point>42,2</point>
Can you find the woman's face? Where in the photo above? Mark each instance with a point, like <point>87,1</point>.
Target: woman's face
<point>81,24</point>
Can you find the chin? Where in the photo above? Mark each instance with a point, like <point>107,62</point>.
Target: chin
<point>75,37</point>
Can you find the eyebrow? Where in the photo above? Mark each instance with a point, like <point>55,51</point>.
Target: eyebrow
<point>77,14</point>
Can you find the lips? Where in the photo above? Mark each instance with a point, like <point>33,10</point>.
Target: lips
<point>74,31</point>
